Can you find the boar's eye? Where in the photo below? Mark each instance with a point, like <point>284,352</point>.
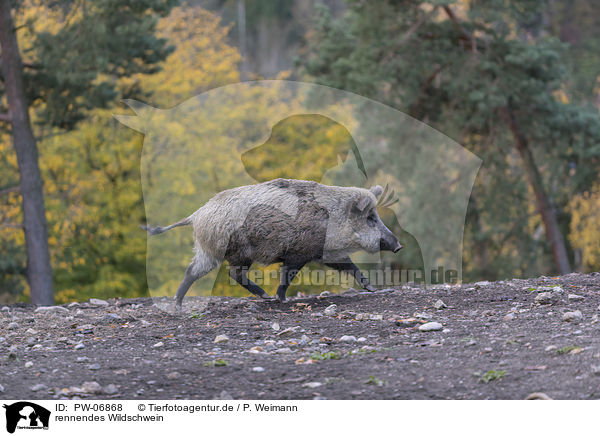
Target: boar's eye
<point>371,219</point>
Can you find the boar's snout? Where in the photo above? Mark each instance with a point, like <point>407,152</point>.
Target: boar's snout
<point>388,241</point>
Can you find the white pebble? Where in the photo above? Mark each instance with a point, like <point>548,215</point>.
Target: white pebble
<point>430,327</point>
<point>221,338</point>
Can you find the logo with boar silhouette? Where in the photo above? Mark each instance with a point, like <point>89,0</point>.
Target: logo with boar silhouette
<point>280,172</point>
<point>26,415</point>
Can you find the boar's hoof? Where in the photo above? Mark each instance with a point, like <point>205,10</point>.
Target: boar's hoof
<point>266,296</point>
<point>370,288</point>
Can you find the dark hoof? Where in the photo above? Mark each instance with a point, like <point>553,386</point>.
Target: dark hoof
<point>266,296</point>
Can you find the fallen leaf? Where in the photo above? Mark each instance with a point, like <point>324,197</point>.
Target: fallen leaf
<point>536,368</point>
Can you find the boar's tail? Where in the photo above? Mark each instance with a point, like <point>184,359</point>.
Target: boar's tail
<point>158,230</point>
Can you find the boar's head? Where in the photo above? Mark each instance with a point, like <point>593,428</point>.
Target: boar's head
<point>369,232</point>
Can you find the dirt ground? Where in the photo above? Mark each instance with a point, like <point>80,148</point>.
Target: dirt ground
<point>500,340</point>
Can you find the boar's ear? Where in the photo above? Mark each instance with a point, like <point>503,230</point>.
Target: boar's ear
<point>376,190</point>
<point>362,203</point>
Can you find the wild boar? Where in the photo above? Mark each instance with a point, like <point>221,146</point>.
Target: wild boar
<point>283,220</point>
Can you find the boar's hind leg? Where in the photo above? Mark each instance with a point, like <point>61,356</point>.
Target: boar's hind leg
<point>201,265</point>
<point>240,275</point>
<point>288,272</point>
<point>350,267</point>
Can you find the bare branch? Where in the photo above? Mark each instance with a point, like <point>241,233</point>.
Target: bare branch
<point>32,66</point>
<point>11,226</point>
<point>465,33</point>
<point>9,190</point>
<point>415,26</point>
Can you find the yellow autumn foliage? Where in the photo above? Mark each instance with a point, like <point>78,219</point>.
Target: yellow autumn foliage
<point>585,227</point>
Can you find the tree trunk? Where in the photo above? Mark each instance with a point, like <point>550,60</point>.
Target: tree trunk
<point>242,36</point>
<point>39,273</point>
<point>544,205</point>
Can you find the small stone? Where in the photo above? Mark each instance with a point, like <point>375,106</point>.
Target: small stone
<point>28,364</point>
<point>98,302</point>
<point>312,385</point>
<point>275,326</point>
<point>283,350</point>
<point>330,310</point>
<point>551,348</point>
<point>376,317</point>
<point>288,331</point>
<point>110,389</point>
<point>361,339</point>
<point>145,323</point>
<point>258,369</point>
<point>5,309</point>
<point>221,338</point>
<point>173,375</point>
<point>158,345</point>
<point>82,359</point>
<point>430,327</point>
<point>575,297</point>
<point>51,309</point>
<point>38,387</point>
<point>346,338</point>
<point>73,304</point>
<point>224,395</point>
<point>509,316</point>
<point>538,396</point>
<point>31,331</point>
<point>546,298</point>
<point>112,317</point>
<point>439,305</point>
<point>1,388</point>
<point>79,346</point>
<point>324,294</point>
<point>596,369</point>
<point>91,387</point>
<point>94,366</point>
<point>12,326</point>
<point>574,316</point>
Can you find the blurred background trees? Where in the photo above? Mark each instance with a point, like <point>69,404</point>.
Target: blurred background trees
<point>516,83</point>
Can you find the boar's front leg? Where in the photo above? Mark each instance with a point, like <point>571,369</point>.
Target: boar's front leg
<point>349,266</point>
<point>240,275</point>
<point>288,272</point>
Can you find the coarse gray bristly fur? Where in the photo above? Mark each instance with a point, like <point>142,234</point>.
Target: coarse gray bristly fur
<point>283,220</point>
